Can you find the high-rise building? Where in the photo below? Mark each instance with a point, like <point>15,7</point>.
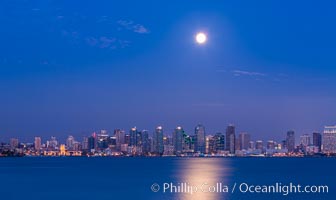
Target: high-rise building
<point>216,143</point>
<point>219,142</point>
<point>237,144</point>
<point>271,144</point>
<point>102,140</point>
<point>120,138</point>
<point>52,143</point>
<point>92,142</point>
<point>77,146</point>
<point>251,145</point>
<point>70,142</point>
<point>189,143</point>
<point>259,145</point>
<point>38,143</point>
<point>14,143</point>
<point>133,134</point>
<point>210,144</point>
<point>230,139</point>
<point>244,140</point>
<point>317,140</point>
<point>145,142</point>
<point>290,141</point>
<point>158,140</point>
<point>329,139</point>
<point>111,142</point>
<point>85,143</point>
<point>200,138</point>
<point>305,140</point>
<point>138,139</point>
<point>128,139</point>
<point>178,140</point>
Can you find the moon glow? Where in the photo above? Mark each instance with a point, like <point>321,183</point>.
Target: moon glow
<point>201,38</point>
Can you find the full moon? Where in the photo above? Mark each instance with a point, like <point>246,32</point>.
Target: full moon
<point>201,38</point>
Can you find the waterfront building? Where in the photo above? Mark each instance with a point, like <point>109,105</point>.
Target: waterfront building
<point>215,143</point>
<point>251,145</point>
<point>329,139</point>
<point>132,136</point>
<point>158,140</point>
<point>70,142</point>
<point>92,143</point>
<point>243,141</point>
<point>14,143</point>
<point>145,142</point>
<point>290,141</point>
<point>317,140</point>
<point>85,143</point>
<point>259,145</point>
<point>102,140</point>
<point>271,144</point>
<point>52,143</point>
<point>37,143</point>
<point>230,139</point>
<point>120,138</point>
<point>305,140</point>
<point>178,139</point>
<point>200,138</point>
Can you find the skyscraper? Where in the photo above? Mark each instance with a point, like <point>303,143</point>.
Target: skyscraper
<point>52,143</point>
<point>178,139</point>
<point>200,138</point>
<point>219,142</point>
<point>305,140</point>
<point>92,142</point>
<point>158,140</point>
<point>133,133</point>
<point>70,142</point>
<point>290,141</point>
<point>85,143</point>
<point>317,140</point>
<point>230,139</point>
<point>244,140</point>
<point>329,139</point>
<point>37,143</point>
<point>102,139</point>
<point>14,143</point>
<point>128,139</point>
<point>145,142</point>
<point>138,139</point>
<point>251,145</point>
<point>271,144</point>
<point>259,144</point>
<point>120,138</point>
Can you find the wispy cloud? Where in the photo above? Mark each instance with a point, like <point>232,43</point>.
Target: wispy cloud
<point>130,25</point>
<point>107,42</point>
<point>247,73</point>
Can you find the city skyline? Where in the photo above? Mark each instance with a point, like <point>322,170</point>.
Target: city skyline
<point>167,132</point>
<point>141,143</point>
<point>229,130</point>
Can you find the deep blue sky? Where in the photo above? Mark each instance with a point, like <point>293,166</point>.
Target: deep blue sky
<point>72,67</point>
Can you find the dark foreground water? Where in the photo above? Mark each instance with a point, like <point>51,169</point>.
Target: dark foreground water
<point>176,178</point>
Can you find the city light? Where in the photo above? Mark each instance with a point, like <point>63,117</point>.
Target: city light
<point>177,143</point>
